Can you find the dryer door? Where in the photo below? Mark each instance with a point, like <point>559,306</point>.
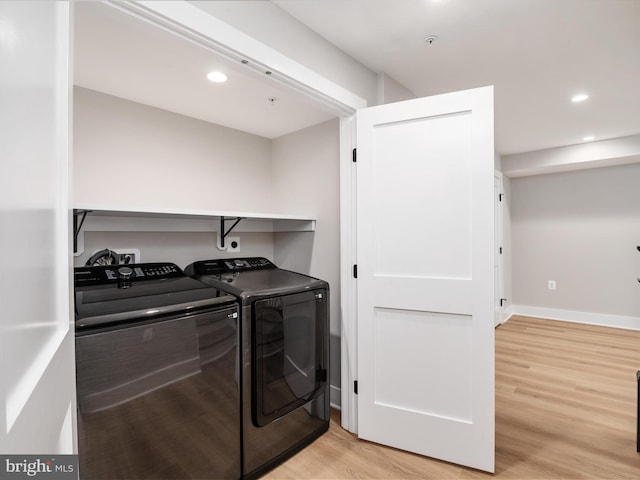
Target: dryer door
<point>290,353</point>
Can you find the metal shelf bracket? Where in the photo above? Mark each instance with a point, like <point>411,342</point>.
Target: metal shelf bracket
<point>223,233</point>
<point>78,226</point>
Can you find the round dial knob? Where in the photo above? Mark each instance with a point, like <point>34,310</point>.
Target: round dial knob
<point>125,272</point>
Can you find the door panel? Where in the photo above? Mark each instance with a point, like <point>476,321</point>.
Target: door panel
<point>449,392</point>
<point>439,244</point>
<point>425,241</point>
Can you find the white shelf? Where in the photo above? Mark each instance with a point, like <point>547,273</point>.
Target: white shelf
<point>104,219</point>
<point>184,213</point>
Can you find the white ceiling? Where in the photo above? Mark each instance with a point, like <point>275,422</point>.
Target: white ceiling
<point>537,54</point>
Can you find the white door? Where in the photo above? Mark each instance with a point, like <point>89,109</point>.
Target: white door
<point>425,276</point>
<point>37,369</point>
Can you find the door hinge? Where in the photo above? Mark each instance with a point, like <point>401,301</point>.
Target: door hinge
<point>502,300</point>
<point>354,156</point>
<point>355,271</point>
<point>355,387</point>
<point>500,196</point>
<point>500,250</point>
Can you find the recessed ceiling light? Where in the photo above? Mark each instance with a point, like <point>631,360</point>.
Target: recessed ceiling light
<point>588,138</point>
<point>217,77</point>
<point>581,97</point>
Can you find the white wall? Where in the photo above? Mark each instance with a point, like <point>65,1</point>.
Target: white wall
<point>580,229</point>
<point>306,180</point>
<point>131,155</point>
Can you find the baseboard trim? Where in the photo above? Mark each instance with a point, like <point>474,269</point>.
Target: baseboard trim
<point>600,319</point>
<point>335,397</point>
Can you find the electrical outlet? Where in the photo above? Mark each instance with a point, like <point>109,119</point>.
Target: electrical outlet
<point>552,284</point>
<point>128,255</point>
<point>232,244</point>
<point>126,258</point>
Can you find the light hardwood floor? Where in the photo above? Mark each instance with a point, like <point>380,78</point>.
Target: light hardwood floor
<point>565,408</point>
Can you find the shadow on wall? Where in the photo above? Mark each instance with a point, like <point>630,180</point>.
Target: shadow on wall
<point>293,251</point>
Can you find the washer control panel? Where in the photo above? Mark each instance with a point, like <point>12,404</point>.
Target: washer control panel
<point>105,274</point>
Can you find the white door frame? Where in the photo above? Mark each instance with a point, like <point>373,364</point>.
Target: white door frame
<point>499,228</point>
<point>348,284</point>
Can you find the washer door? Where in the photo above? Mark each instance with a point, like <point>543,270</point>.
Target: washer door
<point>289,351</point>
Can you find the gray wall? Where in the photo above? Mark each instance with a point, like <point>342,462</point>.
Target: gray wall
<point>580,229</point>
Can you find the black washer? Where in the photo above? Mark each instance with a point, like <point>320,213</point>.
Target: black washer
<point>157,375</point>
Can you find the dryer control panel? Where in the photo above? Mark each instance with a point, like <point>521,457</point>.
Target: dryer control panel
<point>243,264</point>
<point>105,274</point>
<point>228,265</point>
